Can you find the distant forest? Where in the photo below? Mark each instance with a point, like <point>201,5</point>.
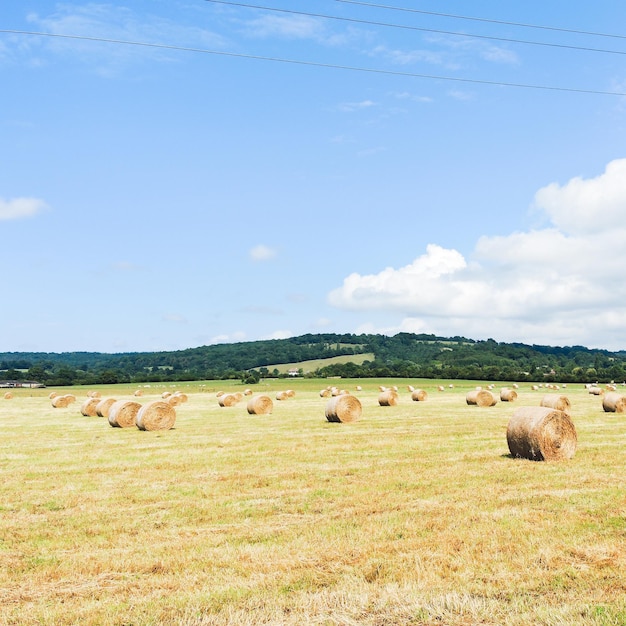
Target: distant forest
<point>404,355</point>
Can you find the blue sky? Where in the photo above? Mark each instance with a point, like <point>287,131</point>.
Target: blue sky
<point>248,173</point>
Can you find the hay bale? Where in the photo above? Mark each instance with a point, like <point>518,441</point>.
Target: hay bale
<point>52,395</point>
<point>614,402</point>
<point>260,405</point>
<point>227,399</point>
<point>418,395</point>
<point>325,393</point>
<point>247,392</point>
<point>508,395</point>
<point>123,413</point>
<point>177,398</point>
<point>346,408</point>
<point>556,402</point>
<point>61,402</point>
<point>138,393</point>
<point>89,408</point>
<point>103,407</point>
<point>541,434</point>
<point>596,391</point>
<point>290,393</point>
<point>281,395</point>
<point>389,397</point>
<point>481,397</point>
<point>8,395</point>
<point>93,394</point>
<point>166,394</point>
<point>156,415</point>
<point>440,388</point>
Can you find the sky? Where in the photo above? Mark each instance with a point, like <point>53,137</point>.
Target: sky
<point>176,174</point>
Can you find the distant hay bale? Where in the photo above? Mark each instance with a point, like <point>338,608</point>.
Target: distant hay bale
<point>419,395</point>
<point>8,395</point>
<point>103,407</point>
<point>59,402</point>
<point>325,393</point>
<point>52,395</point>
<point>614,402</point>
<point>541,434</point>
<point>481,397</point>
<point>516,386</point>
<point>281,395</point>
<point>123,413</point>
<point>260,405</point>
<point>247,392</point>
<point>89,408</point>
<point>389,397</point>
<point>441,388</point>
<point>227,399</point>
<point>156,415</point>
<point>166,394</point>
<point>290,393</point>
<point>556,402</point>
<point>410,388</point>
<point>508,395</point>
<point>345,408</point>
<point>219,393</point>
<point>359,388</point>
<point>596,391</point>
<point>93,394</point>
<point>535,387</point>
<point>177,398</point>
<point>138,393</point>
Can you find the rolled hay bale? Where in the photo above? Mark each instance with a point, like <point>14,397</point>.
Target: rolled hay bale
<point>123,413</point>
<point>556,402</point>
<point>481,397</point>
<point>156,415</point>
<point>93,394</point>
<point>325,393</point>
<point>52,395</point>
<point>281,395</point>
<point>441,388</point>
<point>359,388</point>
<point>138,393</point>
<point>166,394</point>
<point>508,395</point>
<point>596,391</point>
<point>227,399</point>
<point>60,402</point>
<point>410,388</point>
<point>346,408</point>
<point>540,433</point>
<point>290,393</point>
<point>8,395</point>
<point>219,393</point>
<point>260,405</point>
<point>418,395</point>
<point>614,402</point>
<point>389,397</point>
<point>247,392</point>
<point>177,398</point>
<point>89,408</point>
<point>103,407</point>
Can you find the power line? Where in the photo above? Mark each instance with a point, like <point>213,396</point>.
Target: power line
<point>313,63</point>
<point>484,19</point>
<point>418,28</point>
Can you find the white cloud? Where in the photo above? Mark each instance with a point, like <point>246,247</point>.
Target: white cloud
<point>235,337</point>
<point>562,284</point>
<point>175,317</point>
<point>290,27</point>
<point>262,253</point>
<point>349,107</point>
<point>19,208</point>
<point>280,334</point>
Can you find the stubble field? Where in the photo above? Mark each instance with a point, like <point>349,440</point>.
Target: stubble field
<point>414,514</point>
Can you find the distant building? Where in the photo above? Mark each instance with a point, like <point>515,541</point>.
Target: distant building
<point>294,371</point>
<point>13,384</point>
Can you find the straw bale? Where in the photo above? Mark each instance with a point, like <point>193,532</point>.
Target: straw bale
<point>260,405</point>
<point>419,395</point>
<point>346,408</point>
<point>325,393</point>
<point>247,392</point>
<point>441,388</point>
<point>166,394</point>
<point>93,394</point>
<point>410,388</point>
<point>8,395</point>
<point>227,399</point>
<point>614,402</point>
<point>281,395</point>
<point>89,408</point>
<point>596,391</point>
<point>103,407</point>
<point>388,397</point>
<point>556,402</point>
<point>290,393</point>
<point>123,413</point>
<point>508,395</point>
<point>359,388</point>
<point>63,401</point>
<point>481,397</point>
<point>156,415</point>
<point>138,393</point>
<point>541,433</point>
<point>177,398</point>
<point>52,395</point>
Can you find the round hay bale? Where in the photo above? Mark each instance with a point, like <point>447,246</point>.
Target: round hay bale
<point>166,394</point>
<point>103,407</point>
<point>177,398</point>
<point>346,408</point>
<point>8,395</point>
<point>156,415</point>
<point>614,402</point>
<point>260,405</point>
<point>481,397</point>
<point>123,413</point>
<point>290,393</point>
<point>389,397</point>
<point>60,402</point>
<point>556,402</point>
<point>441,388</point>
<point>419,395</point>
<point>52,395</point>
<point>93,394</point>
<point>325,393</point>
<point>281,395</point>
<point>541,434</point>
<point>508,395</point>
<point>138,393</point>
<point>596,391</point>
<point>227,399</point>
<point>247,392</point>
<point>89,408</point>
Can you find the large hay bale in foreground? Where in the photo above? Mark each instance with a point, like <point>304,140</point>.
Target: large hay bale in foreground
<point>89,408</point>
<point>260,405</point>
<point>508,395</point>
<point>481,397</point>
<point>556,402</point>
<point>344,408</point>
<point>123,413</point>
<point>541,434</point>
<point>419,395</point>
<point>156,415</point>
<point>614,402</point>
<point>388,397</point>
<point>103,407</point>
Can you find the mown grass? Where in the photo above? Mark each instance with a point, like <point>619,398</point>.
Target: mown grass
<point>415,514</point>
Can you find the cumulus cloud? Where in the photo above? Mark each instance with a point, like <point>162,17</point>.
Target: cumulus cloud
<point>262,253</point>
<point>562,284</point>
<point>20,208</point>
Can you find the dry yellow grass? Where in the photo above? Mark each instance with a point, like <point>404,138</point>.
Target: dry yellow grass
<point>416,516</point>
